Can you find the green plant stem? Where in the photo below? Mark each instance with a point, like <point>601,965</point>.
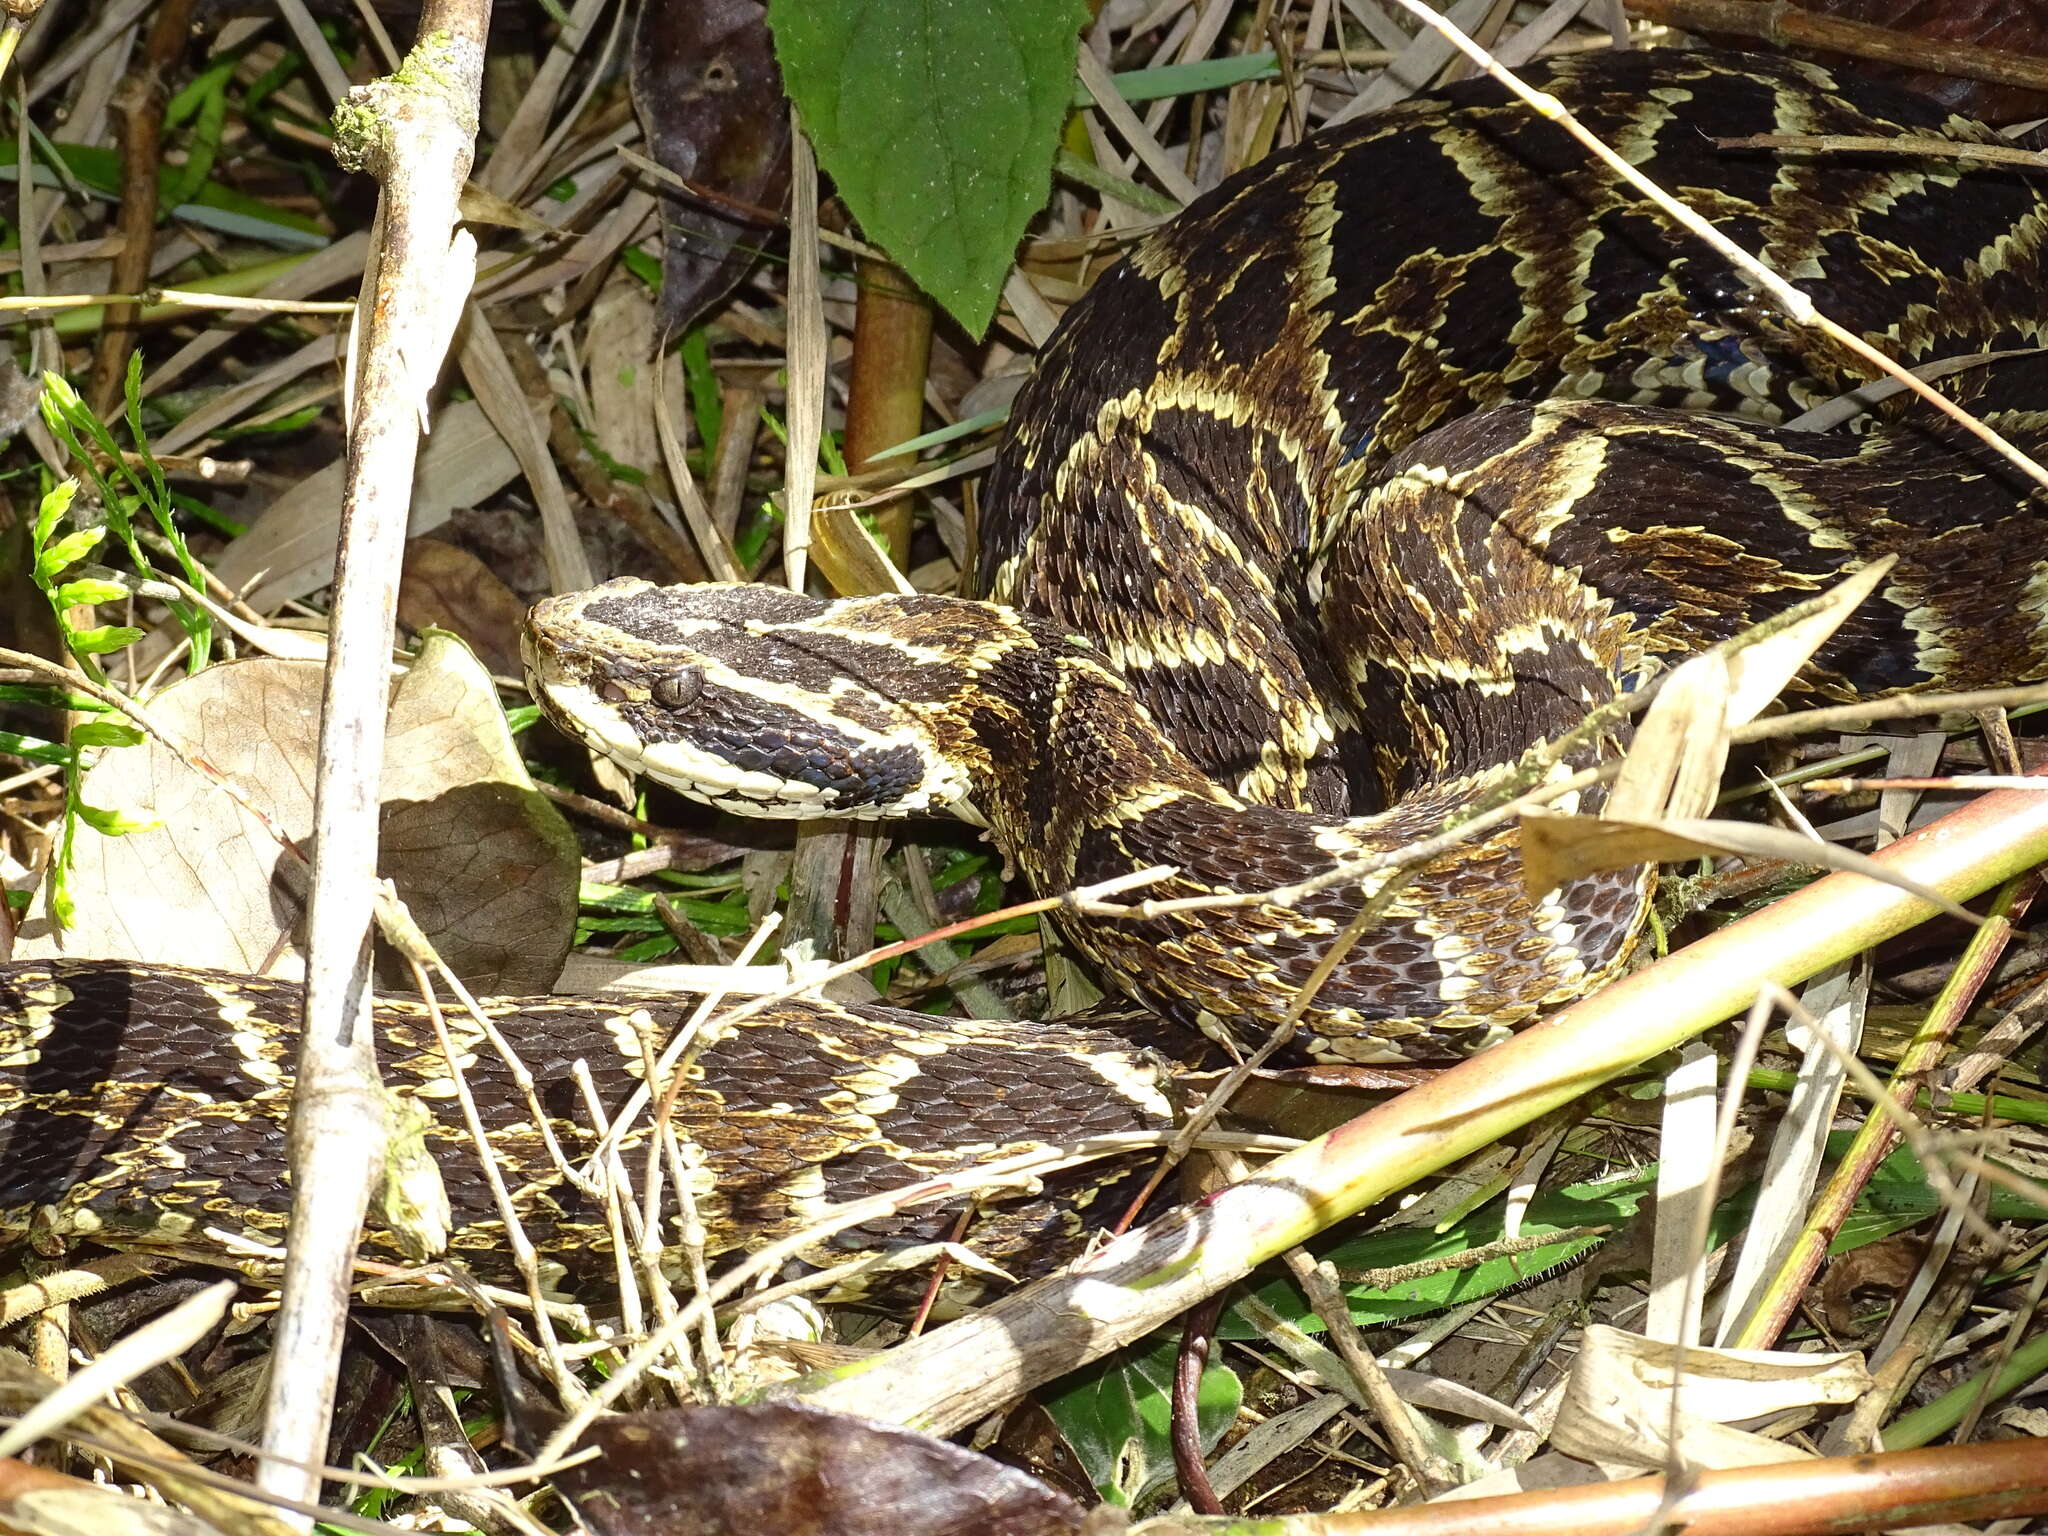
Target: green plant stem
<point>1946,1411</point>
<point>1970,1106</point>
<point>240,283</point>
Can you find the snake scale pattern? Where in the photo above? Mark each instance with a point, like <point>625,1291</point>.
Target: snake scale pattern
<point>1379,465</point>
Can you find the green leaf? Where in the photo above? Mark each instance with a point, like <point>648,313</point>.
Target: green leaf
<point>66,552</point>
<point>1606,1204</point>
<point>104,733</point>
<point>34,750</point>
<point>48,698</point>
<point>203,147</point>
<point>1117,1417</point>
<point>937,119</point>
<point>707,403</point>
<point>51,509</point>
<point>114,823</point>
<point>108,637</point>
<point>212,204</point>
<point>88,591</point>
<point>1186,79</point>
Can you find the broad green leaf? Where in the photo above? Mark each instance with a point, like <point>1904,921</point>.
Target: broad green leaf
<point>937,119</point>
<point>1117,1417</point>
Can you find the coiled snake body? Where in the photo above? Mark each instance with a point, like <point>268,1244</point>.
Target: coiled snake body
<point>1381,464</point>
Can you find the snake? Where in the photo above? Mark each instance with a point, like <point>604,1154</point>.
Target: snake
<point>1326,518</point>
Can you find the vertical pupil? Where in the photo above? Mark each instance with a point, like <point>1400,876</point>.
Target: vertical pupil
<point>674,690</point>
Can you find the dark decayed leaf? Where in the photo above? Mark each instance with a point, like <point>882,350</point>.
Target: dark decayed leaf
<point>707,90</point>
<point>796,1471</point>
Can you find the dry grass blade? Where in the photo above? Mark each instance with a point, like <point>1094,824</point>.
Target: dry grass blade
<point>1560,849</point>
<point>161,1339</point>
<point>806,359</point>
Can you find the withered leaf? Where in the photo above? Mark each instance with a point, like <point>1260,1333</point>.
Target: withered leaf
<point>486,865</point>
<point>449,588</point>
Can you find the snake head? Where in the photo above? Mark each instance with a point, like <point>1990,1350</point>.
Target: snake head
<point>756,699</point>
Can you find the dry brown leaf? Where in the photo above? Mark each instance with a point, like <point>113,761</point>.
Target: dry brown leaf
<point>846,552</point>
<point>1675,763</point>
<point>743,1470</point>
<point>444,587</point>
<point>622,380</point>
<point>290,551</point>
<point>487,866</point>
<point>37,1502</point>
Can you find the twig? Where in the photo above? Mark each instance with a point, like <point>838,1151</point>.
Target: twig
<point>125,303</point>
<point>1793,26</point>
<point>415,131</point>
<point>1197,1338</point>
<point>139,109</point>
<point>1918,145</point>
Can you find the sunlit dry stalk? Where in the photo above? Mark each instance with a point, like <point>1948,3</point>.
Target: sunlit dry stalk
<point>189,298</point>
<point>524,1258</point>
<point>1883,1126</point>
<point>630,1258</point>
<point>1019,1170</point>
<point>1919,146</point>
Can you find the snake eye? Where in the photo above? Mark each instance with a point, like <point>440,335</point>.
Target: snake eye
<point>678,689</point>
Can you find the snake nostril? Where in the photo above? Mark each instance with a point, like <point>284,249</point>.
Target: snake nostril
<point>678,689</point>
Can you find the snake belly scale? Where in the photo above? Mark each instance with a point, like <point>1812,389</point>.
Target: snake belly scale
<point>1382,462</point>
